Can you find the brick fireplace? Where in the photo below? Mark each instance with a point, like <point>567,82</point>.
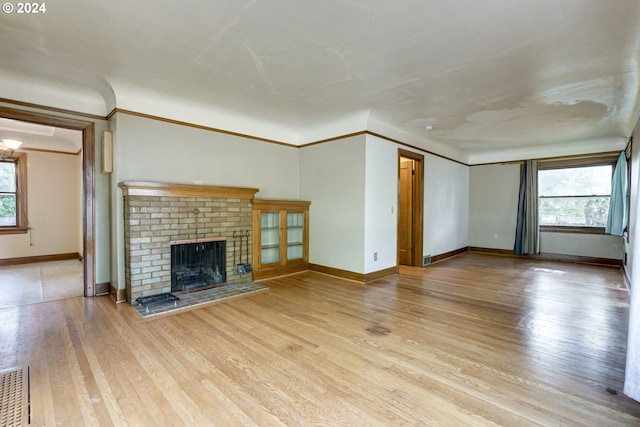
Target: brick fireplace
<point>157,215</point>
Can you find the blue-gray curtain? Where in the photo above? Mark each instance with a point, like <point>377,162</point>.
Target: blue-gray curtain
<point>617,220</point>
<point>527,228</point>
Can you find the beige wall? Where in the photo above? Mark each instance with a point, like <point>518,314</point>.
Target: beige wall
<point>54,183</point>
<point>102,231</point>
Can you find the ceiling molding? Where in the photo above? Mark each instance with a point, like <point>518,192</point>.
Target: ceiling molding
<point>51,109</point>
<point>270,141</point>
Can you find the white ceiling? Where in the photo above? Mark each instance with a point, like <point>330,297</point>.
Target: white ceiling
<point>497,79</point>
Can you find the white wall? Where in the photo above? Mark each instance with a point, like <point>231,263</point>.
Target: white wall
<point>102,203</point>
<point>446,202</point>
<point>381,204</point>
<point>332,177</point>
<point>587,245</point>
<point>632,368</point>
<point>446,205</point>
<point>493,205</point>
<point>53,183</point>
<point>353,187</point>
<point>493,202</point>
<point>156,151</point>
<point>152,150</point>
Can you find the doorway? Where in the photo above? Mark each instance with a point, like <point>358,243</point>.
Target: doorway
<point>410,207</point>
<point>88,182</point>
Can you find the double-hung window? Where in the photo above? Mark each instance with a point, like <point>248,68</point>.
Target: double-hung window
<point>13,195</point>
<point>574,194</point>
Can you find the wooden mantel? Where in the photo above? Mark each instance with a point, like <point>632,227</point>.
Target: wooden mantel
<point>140,188</point>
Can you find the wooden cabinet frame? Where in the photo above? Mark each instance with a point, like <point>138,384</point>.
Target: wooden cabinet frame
<point>282,266</point>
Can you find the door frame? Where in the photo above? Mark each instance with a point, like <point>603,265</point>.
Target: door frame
<point>88,182</point>
<point>417,205</point>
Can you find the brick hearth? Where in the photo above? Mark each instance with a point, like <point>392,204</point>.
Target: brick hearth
<point>157,214</point>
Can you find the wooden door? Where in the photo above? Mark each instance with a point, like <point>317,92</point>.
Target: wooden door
<point>405,212</point>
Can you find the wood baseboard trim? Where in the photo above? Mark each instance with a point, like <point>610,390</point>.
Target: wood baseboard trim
<point>607,262</point>
<point>578,259</point>
<point>350,275</point>
<point>449,254</point>
<point>504,252</point>
<point>375,275</point>
<point>269,273</point>
<point>41,258</point>
<point>120,295</point>
<point>103,289</point>
<point>345,274</point>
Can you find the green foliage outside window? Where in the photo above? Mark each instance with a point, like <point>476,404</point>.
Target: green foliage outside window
<point>7,194</point>
<point>576,196</point>
<point>572,211</point>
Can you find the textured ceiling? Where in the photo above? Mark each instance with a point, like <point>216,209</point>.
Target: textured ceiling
<point>496,79</point>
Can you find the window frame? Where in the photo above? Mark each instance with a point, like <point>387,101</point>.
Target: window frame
<point>603,160</point>
<point>21,226</point>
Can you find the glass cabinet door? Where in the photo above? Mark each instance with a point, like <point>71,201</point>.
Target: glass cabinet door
<point>295,235</point>
<point>270,237</point>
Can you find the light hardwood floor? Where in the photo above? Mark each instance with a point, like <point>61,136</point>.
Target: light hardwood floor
<point>472,341</point>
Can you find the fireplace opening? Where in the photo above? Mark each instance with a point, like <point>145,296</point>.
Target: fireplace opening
<point>198,265</point>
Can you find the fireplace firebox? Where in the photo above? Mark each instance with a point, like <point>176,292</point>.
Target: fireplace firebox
<point>198,265</point>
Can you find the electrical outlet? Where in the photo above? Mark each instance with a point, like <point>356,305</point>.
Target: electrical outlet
<point>375,256</point>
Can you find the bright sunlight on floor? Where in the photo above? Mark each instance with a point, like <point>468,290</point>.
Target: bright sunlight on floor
<point>39,282</point>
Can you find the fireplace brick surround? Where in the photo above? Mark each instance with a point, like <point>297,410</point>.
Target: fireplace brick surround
<point>157,214</point>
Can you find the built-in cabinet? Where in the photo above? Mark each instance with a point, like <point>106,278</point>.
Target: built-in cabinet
<point>280,237</point>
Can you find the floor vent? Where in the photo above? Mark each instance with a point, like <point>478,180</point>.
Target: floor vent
<point>14,398</point>
<point>426,260</point>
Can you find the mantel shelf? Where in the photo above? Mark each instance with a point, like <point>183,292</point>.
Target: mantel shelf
<point>140,188</point>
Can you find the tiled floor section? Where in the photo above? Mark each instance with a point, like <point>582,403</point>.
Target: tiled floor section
<point>40,282</point>
<point>207,296</point>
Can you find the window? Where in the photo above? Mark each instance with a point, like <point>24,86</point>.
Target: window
<point>13,195</point>
<point>574,195</point>
<point>8,194</point>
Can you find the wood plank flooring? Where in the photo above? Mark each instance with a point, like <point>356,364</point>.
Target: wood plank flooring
<point>477,340</point>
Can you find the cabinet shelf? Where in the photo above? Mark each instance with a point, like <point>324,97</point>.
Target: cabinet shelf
<point>269,246</point>
<point>286,250</point>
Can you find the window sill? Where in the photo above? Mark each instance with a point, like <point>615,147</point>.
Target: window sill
<point>568,229</point>
<point>13,230</point>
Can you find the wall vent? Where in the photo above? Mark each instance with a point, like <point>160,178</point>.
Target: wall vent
<point>426,260</point>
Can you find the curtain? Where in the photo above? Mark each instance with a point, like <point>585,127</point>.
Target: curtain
<point>527,228</point>
<point>617,220</point>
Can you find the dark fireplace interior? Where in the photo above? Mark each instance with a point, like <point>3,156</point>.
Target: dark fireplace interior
<point>198,265</point>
